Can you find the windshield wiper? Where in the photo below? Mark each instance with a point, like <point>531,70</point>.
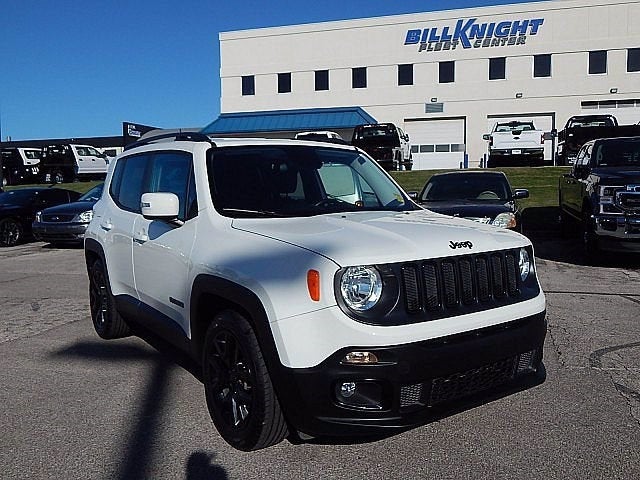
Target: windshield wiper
<point>262,213</point>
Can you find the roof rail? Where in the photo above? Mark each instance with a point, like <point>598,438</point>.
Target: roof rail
<point>177,136</point>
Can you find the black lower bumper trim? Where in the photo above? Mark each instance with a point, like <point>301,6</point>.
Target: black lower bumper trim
<point>414,383</point>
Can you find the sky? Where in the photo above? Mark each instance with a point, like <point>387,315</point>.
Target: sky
<point>81,68</point>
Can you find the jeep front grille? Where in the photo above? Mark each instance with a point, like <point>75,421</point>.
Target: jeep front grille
<point>449,283</point>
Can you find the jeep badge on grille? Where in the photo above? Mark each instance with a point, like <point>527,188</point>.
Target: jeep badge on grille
<point>466,244</point>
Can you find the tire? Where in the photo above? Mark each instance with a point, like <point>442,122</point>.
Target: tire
<point>240,396</point>
<point>107,322</point>
<point>58,177</point>
<point>589,241</point>
<point>10,232</point>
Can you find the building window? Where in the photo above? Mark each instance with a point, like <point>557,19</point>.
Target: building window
<point>248,85</point>
<point>405,74</point>
<point>447,72</point>
<point>633,60</point>
<point>497,68</point>
<point>542,65</point>
<point>597,62</point>
<point>284,82</point>
<point>359,77</point>
<point>322,80</point>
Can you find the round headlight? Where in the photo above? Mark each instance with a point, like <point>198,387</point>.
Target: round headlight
<point>525,264</point>
<point>361,287</point>
<point>505,220</point>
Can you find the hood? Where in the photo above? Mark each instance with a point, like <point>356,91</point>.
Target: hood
<point>613,175</point>
<point>464,209</point>
<point>365,238</point>
<point>70,208</point>
<point>10,209</point>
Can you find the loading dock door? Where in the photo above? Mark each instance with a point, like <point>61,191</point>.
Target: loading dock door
<point>542,121</point>
<point>437,143</point>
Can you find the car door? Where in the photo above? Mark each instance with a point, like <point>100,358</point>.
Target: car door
<point>571,188</point>
<point>117,218</point>
<point>162,249</point>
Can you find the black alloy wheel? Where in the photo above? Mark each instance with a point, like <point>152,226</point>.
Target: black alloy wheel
<point>107,322</point>
<point>10,232</point>
<point>240,397</point>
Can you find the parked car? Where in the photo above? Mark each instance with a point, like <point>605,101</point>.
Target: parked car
<point>580,129</point>
<point>482,196</point>
<point>601,196</point>
<point>70,162</point>
<point>386,143</point>
<point>320,136</point>
<point>20,165</point>
<point>515,143</point>
<point>316,297</point>
<point>18,209</point>
<point>66,223</point>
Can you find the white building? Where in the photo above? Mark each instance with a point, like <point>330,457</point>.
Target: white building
<point>444,77</point>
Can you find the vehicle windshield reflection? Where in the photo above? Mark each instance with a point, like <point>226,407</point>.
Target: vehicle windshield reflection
<point>290,181</point>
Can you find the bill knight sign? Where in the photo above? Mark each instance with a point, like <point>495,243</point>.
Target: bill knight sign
<point>468,33</point>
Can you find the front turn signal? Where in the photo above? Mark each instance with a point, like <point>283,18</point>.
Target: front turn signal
<point>313,284</point>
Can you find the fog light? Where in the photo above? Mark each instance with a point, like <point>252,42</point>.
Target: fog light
<point>347,389</point>
<point>361,395</point>
<point>360,358</point>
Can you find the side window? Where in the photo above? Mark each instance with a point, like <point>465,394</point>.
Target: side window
<point>587,155</point>
<point>54,196</point>
<point>128,178</point>
<point>171,172</point>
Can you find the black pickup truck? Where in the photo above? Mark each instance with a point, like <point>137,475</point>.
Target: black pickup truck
<point>601,195</point>
<point>581,128</point>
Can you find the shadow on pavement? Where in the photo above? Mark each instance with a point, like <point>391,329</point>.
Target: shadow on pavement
<point>542,226</point>
<point>137,449</point>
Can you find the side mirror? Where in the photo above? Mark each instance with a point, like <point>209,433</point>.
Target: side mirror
<point>486,136</point>
<point>406,137</point>
<point>413,196</point>
<point>519,193</point>
<point>160,206</point>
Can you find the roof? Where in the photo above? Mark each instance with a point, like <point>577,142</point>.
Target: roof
<point>289,120</point>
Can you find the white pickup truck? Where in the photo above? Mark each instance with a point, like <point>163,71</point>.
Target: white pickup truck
<point>515,143</point>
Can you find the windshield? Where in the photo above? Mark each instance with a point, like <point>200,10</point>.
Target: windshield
<point>298,181</point>
<point>514,126</point>
<point>591,122</point>
<point>618,153</point>
<point>16,197</point>
<point>92,195</point>
<point>477,187</point>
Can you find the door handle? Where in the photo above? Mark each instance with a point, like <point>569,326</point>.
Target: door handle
<point>140,237</point>
<point>106,225</point>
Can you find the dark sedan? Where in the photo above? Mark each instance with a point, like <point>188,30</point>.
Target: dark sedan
<point>18,209</point>
<point>67,223</point>
<point>482,196</point>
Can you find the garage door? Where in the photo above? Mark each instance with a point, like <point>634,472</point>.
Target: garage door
<point>542,121</point>
<point>437,143</point>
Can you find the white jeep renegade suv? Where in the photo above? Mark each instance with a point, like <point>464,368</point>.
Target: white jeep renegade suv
<point>316,296</point>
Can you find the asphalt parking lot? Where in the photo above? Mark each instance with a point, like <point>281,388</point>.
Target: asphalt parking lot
<point>77,407</point>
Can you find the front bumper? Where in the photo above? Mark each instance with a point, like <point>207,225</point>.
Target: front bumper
<point>414,383</point>
<point>618,233</point>
<point>56,232</point>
